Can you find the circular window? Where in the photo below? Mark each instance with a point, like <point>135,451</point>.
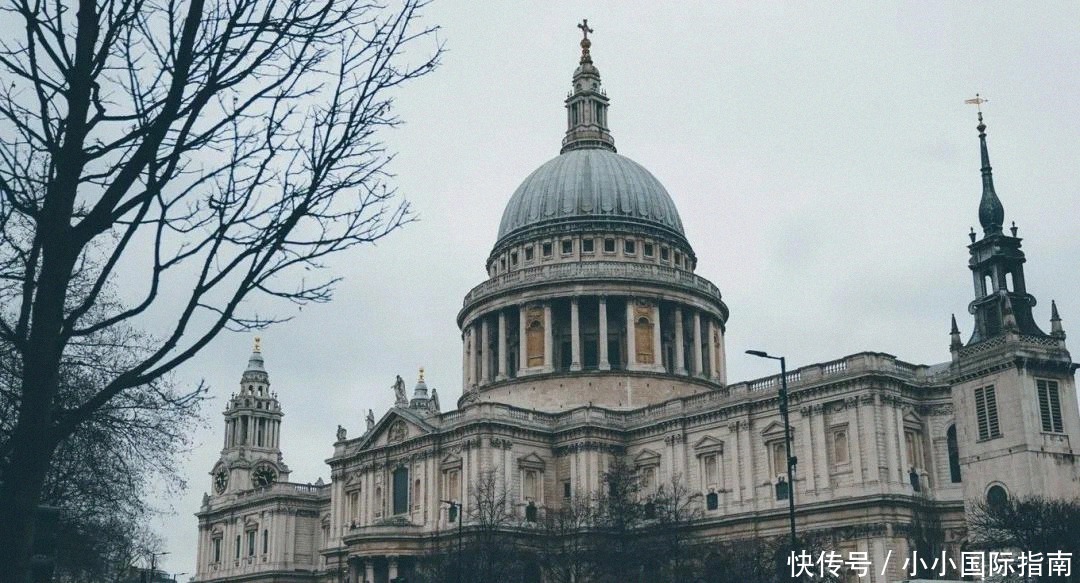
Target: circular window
<point>997,496</point>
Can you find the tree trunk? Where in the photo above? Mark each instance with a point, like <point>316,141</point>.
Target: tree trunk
<point>23,480</point>
<point>33,442</point>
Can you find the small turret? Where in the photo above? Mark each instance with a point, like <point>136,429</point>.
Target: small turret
<point>954,336</point>
<point>1055,322</point>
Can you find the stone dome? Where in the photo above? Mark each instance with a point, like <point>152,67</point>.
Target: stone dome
<point>591,185</point>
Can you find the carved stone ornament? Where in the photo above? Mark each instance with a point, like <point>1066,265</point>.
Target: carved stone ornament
<point>398,432</point>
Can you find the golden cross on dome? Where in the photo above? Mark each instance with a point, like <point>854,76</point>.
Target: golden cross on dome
<point>584,26</point>
<point>977,102</point>
<point>258,344</point>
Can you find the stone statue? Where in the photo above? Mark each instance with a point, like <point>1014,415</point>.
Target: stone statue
<point>435,400</point>
<point>340,433</point>
<point>370,419</point>
<point>205,499</point>
<point>399,392</point>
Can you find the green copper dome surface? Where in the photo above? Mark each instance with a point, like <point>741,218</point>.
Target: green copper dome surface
<point>590,185</point>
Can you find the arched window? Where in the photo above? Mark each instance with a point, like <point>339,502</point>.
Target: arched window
<point>712,501</point>
<point>954,454</point>
<point>996,496</point>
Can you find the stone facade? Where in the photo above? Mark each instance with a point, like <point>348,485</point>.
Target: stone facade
<point>593,340</point>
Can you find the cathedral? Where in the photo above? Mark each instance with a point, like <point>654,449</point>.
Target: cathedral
<point>593,340</point>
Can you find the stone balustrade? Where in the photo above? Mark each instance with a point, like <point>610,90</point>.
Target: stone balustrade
<point>598,270</point>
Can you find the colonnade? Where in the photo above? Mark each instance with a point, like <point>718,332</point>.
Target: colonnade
<point>252,430</point>
<point>602,332</point>
<point>363,570</point>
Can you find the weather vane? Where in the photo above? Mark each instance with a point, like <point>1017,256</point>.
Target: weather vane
<point>977,102</point>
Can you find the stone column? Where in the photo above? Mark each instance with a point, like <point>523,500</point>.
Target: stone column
<point>470,356</point>
<point>485,352</point>
<point>464,361</point>
<point>392,567</point>
<point>354,570</point>
<point>891,446</point>
<point>721,356</point>
<point>604,364</point>
<point>523,349</point>
<point>549,361</point>
<point>714,372</point>
<point>575,335</point>
<point>680,356</point>
<point>901,442</point>
<point>369,571</point>
<point>500,368</point>
<point>696,348</point>
<point>658,357</point>
<point>631,347</point>
<point>854,442</point>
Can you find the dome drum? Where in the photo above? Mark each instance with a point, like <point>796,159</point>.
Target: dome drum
<point>608,330</point>
<point>593,277</point>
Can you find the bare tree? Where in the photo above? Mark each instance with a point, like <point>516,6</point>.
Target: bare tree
<point>565,549</point>
<point>673,508</point>
<point>1027,524</point>
<point>195,155</point>
<point>491,555</point>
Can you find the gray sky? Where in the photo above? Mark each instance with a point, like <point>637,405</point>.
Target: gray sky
<point>821,156</point>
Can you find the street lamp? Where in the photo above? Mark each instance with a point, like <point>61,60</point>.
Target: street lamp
<point>791,460</point>
<point>452,514</point>
<point>153,562</point>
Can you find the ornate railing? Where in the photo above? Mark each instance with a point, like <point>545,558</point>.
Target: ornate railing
<point>609,270</point>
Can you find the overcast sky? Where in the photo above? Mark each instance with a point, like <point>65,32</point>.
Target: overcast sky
<point>823,161</point>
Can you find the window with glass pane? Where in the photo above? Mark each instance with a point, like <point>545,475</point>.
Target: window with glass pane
<point>401,490</point>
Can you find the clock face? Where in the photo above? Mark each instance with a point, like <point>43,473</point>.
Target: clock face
<point>221,480</point>
<point>263,476</point>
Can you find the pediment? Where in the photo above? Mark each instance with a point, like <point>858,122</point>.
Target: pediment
<point>709,444</point>
<point>775,430</point>
<point>450,462</point>
<point>647,457</point>
<point>912,420</point>
<point>396,426</point>
<point>531,461</point>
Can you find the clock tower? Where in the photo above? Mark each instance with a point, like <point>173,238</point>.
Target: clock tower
<point>251,457</point>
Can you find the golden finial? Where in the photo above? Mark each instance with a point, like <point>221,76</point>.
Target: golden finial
<point>258,344</point>
<point>421,374</point>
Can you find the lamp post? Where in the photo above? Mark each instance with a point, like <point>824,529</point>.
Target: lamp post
<point>791,460</point>
<point>454,513</point>
<point>153,563</point>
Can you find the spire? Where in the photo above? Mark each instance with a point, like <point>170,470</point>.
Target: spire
<point>954,334</point>
<point>991,213</point>
<point>586,106</point>
<point>1055,322</point>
